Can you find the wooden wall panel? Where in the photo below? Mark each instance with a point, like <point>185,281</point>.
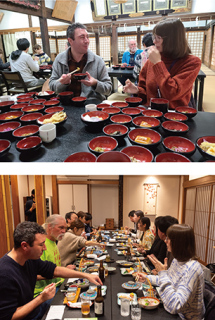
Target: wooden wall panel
<point>207,48</point>
<point>15,200</point>
<point>213,56</point>
<point>3,233</point>
<point>40,198</point>
<point>55,202</point>
<point>8,210</point>
<point>190,206</point>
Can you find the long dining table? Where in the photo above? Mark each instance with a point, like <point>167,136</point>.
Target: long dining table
<point>74,136</point>
<point>114,283</point>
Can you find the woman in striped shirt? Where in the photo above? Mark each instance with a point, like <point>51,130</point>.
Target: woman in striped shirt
<point>181,286</point>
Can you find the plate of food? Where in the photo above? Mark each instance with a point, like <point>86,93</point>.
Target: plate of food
<point>126,264</point>
<point>131,286</point>
<point>76,305</point>
<point>148,302</point>
<point>132,297</point>
<point>82,283</point>
<point>92,269</point>
<point>103,288</point>
<point>120,261</point>
<point>126,271</point>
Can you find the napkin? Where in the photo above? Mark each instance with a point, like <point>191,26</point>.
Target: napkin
<point>55,312</point>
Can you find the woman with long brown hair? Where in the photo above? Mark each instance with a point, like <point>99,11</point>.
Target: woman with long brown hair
<point>170,70</point>
<point>181,286</point>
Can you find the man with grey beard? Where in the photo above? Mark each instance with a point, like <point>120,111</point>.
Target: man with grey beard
<point>55,227</point>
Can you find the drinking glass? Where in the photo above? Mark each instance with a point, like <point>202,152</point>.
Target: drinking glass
<point>125,307</point>
<point>135,311</point>
<point>85,306</point>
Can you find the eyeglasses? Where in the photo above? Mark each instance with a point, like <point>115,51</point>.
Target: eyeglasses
<point>157,38</point>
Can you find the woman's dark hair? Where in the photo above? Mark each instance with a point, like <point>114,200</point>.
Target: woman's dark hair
<point>77,224</point>
<point>146,221</point>
<point>147,40</point>
<point>182,239</point>
<point>175,43</point>
<point>23,44</point>
<point>71,29</point>
<point>26,231</point>
<point>131,213</point>
<point>68,215</point>
<point>165,222</point>
<point>88,216</point>
<point>37,47</point>
<point>157,219</point>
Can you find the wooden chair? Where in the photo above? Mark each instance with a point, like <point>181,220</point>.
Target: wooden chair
<point>15,83</point>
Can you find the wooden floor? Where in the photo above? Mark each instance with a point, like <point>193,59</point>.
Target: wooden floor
<point>209,91</point>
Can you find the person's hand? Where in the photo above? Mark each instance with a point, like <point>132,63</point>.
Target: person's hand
<point>48,292</point>
<point>90,81</point>
<point>36,58</point>
<point>94,279</point>
<point>154,272</point>
<point>65,79</point>
<point>140,250</point>
<point>154,55</point>
<point>158,265</point>
<point>130,87</point>
<point>33,206</point>
<point>71,266</point>
<point>141,276</point>
<point>124,64</point>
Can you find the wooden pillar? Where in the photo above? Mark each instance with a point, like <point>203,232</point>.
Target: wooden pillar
<point>97,44</point>
<point>8,208</point>
<point>39,183</point>
<point>4,247</point>
<point>55,202</point>
<point>211,45</point>
<point>32,34</point>
<point>120,201</point>
<point>44,30</point>
<point>183,199</point>
<point>15,200</point>
<point>114,45</point>
<point>138,38</point>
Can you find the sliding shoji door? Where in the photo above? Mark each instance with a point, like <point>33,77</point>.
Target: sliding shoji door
<point>200,214</point>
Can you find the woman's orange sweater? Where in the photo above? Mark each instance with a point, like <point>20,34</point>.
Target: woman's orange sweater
<point>174,85</point>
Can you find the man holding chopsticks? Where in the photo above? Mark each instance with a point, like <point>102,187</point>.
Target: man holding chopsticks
<point>19,269</point>
<point>97,83</point>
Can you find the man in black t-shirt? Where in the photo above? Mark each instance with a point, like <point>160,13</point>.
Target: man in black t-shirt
<point>19,269</point>
<point>30,208</point>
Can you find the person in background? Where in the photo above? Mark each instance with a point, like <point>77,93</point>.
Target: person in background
<point>128,57</point>
<point>97,83</point>
<point>181,286</point>
<point>131,217</point>
<point>72,241</point>
<point>81,216</point>
<point>158,248</point>
<point>30,208</point>
<point>2,64</point>
<point>55,227</point>
<point>40,56</point>
<point>70,217</point>
<point>170,70</point>
<point>137,215</point>
<point>88,229</point>
<point>21,61</point>
<point>19,269</point>
<point>142,57</point>
<point>147,237</point>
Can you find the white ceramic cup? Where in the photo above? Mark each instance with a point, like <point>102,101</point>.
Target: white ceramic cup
<point>90,107</point>
<point>5,98</point>
<point>47,132</point>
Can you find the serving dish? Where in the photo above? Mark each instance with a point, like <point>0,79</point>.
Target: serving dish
<point>132,297</point>
<point>148,303</point>
<point>81,157</point>
<point>179,145</point>
<point>131,286</point>
<point>138,154</point>
<point>113,156</point>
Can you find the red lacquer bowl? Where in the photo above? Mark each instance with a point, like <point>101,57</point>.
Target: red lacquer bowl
<point>134,101</point>
<point>33,108</point>
<point>6,129</point>
<point>18,106</point>
<point>54,109</point>
<point>153,113</point>
<point>65,97</point>
<point>51,103</point>
<point>104,142</point>
<point>131,111</point>
<point>205,154</point>
<point>78,101</point>
<point>46,96</point>
<point>29,144</point>
<point>120,104</point>
<point>95,118</point>
<point>30,118</point>
<point>81,157</point>
<point>175,127</point>
<point>146,122</point>
<point>4,147</point>
<point>37,101</point>
<point>11,116</point>
<point>154,136</point>
<point>121,119</point>
<point>101,106</point>
<point>175,116</point>
<point>189,112</point>
<point>111,129</point>
<point>138,154</point>
<point>113,156</point>
<point>171,157</point>
<point>79,76</point>
<point>179,145</point>
<point>26,131</point>
<point>25,100</point>
<point>111,110</point>
<point>5,105</point>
